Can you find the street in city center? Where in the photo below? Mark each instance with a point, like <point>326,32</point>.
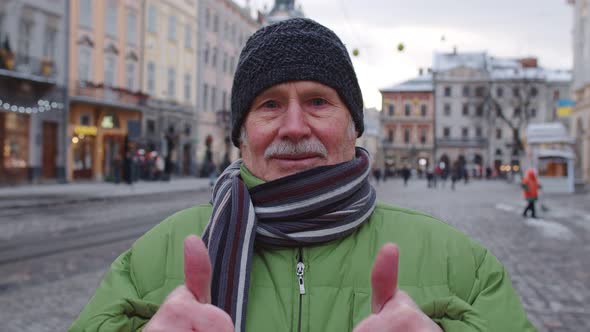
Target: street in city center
<point>53,255</point>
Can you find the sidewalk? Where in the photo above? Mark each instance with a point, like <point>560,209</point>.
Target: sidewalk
<point>51,194</point>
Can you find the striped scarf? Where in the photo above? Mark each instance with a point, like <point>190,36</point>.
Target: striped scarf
<point>314,206</point>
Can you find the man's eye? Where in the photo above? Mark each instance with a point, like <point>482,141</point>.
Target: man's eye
<point>318,102</point>
<point>270,104</point>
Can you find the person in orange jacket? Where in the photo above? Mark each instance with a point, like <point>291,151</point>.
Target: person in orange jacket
<point>530,189</point>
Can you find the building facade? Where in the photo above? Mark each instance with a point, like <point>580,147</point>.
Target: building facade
<point>169,49</point>
<point>407,124</point>
<point>371,138</point>
<point>105,102</point>
<point>223,28</point>
<point>580,122</point>
<point>483,102</point>
<point>32,90</point>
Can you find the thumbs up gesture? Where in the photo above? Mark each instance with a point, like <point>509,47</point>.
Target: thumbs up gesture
<point>393,310</point>
<point>188,307</point>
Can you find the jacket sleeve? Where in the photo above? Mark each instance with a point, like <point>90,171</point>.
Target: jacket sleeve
<point>116,305</point>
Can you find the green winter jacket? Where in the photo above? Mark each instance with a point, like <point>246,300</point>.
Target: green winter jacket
<point>453,279</point>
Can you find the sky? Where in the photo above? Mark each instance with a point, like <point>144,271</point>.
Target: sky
<point>503,28</point>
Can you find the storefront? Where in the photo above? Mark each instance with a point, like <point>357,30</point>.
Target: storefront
<point>99,141</point>
<point>14,140</point>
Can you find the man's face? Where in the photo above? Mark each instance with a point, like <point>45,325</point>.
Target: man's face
<point>295,126</point>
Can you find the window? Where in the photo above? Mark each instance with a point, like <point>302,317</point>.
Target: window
<point>188,36</point>
<point>466,91</point>
<point>478,132</point>
<point>111,18</point>
<point>152,18</point>
<point>206,53</point>
<point>446,132</point>
<point>214,57</point>
<point>423,110</point>
<point>207,18</point>
<point>466,109</point>
<point>24,39</point>
<point>213,97</point>
<point>187,87</point>
<point>232,64</point>
<point>85,120</point>
<point>171,82</point>
<point>391,110</point>
<point>110,70</point>
<point>224,62</point>
<point>498,133</point>
<point>408,110</point>
<point>85,13</point>
<point>465,132</point>
<point>423,136</point>
<point>499,92</point>
<point>534,91</point>
<point>498,152</point>
<point>205,96</point>
<point>130,76</point>
<point>151,77</point>
<point>49,43</point>
<point>187,130</point>
<point>172,28</point>
<point>407,135</point>
<point>151,127</point>
<point>215,23</point>
<point>226,30</point>
<point>480,91</point>
<point>390,135</point>
<point>447,91</point>
<point>515,92</point>
<point>479,111</point>
<point>516,112</point>
<point>131,28</point>
<point>447,109</point>
<point>533,113</point>
<point>84,61</point>
<point>223,100</point>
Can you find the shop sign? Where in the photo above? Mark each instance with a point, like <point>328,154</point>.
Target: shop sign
<point>85,130</point>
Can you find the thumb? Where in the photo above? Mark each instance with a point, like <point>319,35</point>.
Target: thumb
<point>384,276</point>
<point>197,268</point>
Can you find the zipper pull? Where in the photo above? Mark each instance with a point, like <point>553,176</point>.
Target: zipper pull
<point>300,271</point>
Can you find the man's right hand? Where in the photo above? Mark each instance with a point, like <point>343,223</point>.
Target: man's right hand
<point>188,307</point>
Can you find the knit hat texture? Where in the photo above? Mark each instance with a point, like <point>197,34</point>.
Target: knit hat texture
<point>297,49</point>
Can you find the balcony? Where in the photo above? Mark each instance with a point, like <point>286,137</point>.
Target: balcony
<point>27,67</point>
<point>109,96</point>
<point>462,142</point>
<point>406,146</point>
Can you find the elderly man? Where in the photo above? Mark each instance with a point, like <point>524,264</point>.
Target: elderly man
<point>294,239</point>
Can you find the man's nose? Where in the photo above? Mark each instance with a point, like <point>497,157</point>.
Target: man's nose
<point>294,125</point>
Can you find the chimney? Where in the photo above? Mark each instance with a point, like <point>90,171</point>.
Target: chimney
<point>530,62</point>
<point>420,71</point>
<point>455,50</point>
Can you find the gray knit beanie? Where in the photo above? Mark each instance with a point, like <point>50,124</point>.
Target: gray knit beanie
<point>293,50</point>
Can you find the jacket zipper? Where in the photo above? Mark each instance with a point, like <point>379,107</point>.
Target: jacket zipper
<point>300,269</point>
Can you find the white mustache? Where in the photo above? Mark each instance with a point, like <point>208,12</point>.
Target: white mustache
<point>285,147</point>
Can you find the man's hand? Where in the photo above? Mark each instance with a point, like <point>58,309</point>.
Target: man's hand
<point>393,309</point>
<point>187,308</point>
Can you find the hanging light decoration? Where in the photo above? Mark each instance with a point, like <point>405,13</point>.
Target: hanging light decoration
<point>41,106</point>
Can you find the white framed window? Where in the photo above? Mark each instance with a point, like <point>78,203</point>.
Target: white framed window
<point>49,43</point>
<point>224,62</point>
<point>131,28</point>
<point>223,100</point>
<point>151,77</point>
<point>207,18</point>
<point>206,53</point>
<point>85,13</point>
<point>24,38</point>
<point>84,63</point>
<point>130,76</point>
<point>188,36</point>
<point>152,19</point>
<point>172,28</point>
<point>214,57</point>
<point>205,96</point>
<point>110,70</point>
<point>111,18</point>
<point>213,97</point>
<point>187,87</point>
<point>171,82</point>
<point>215,23</point>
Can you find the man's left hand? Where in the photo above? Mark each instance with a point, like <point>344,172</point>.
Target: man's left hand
<point>393,309</point>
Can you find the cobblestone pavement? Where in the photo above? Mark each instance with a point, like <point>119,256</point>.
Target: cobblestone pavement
<point>548,258</point>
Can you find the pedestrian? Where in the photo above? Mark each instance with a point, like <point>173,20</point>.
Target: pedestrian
<point>406,173</point>
<point>430,178</point>
<point>293,238</point>
<point>530,190</point>
<point>455,174</point>
<point>377,174</point>
<point>212,170</point>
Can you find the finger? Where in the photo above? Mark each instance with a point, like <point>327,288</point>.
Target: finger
<point>197,268</point>
<point>384,276</point>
